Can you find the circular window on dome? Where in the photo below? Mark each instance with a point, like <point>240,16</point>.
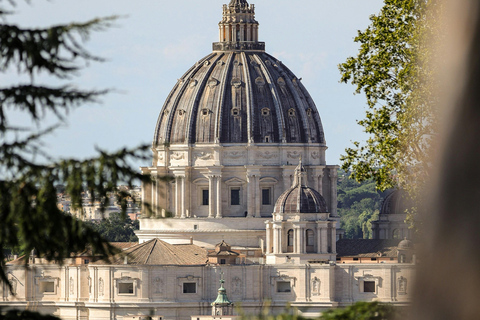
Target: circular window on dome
<point>205,112</point>
<point>236,82</point>
<point>265,112</point>
<point>181,112</point>
<point>291,112</point>
<point>235,112</point>
<point>309,112</point>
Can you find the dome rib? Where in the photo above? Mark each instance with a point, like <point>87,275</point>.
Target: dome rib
<point>185,84</point>
<point>191,124</point>
<point>316,114</point>
<point>298,100</point>
<point>250,105</point>
<point>276,101</point>
<point>221,97</point>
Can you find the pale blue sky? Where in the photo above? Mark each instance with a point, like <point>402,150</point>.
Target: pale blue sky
<point>157,41</point>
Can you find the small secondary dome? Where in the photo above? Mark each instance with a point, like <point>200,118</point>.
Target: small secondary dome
<point>395,202</point>
<point>405,244</point>
<point>300,198</point>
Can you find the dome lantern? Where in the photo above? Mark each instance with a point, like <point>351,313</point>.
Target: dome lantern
<point>238,28</point>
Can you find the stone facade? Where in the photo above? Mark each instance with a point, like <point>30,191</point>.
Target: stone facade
<point>104,292</point>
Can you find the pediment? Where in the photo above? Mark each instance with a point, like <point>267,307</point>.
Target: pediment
<point>235,180</point>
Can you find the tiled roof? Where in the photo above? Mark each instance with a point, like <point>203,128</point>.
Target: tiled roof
<point>157,252</point>
<point>367,248</point>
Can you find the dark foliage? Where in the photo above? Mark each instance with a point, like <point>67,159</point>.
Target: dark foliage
<point>30,218</point>
<point>117,228</point>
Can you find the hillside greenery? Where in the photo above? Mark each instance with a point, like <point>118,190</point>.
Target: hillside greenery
<point>359,205</point>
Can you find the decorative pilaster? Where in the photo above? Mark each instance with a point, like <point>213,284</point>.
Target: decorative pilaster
<point>277,243</point>
<point>302,240</point>
<point>257,197</point>
<point>250,196</point>
<point>296,239</point>
<point>268,230</point>
<point>211,205</point>
<point>219,197</point>
<point>334,237</point>
<point>177,198</point>
<point>319,238</point>
<point>324,236</point>
<point>333,191</point>
<point>319,181</point>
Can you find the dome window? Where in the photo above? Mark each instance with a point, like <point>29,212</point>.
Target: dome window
<point>181,112</point>
<point>236,82</point>
<point>235,112</point>
<point>291,112</point>
<point>267,139</point>
<point>205,112</point>
<point>265,112</point>
<point>309,112</point>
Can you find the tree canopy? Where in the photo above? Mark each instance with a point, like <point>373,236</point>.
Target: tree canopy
<point>393,70</point>
<point>29,215</point>
<point>117,228</point>
<point>358,206</point>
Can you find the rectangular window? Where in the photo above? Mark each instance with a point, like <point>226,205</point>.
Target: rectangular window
<point>47,287</point>
<point>86,261</point>
<point>205,197</point>
<point>223,261</point>
<point>369,286</point>
<point>283,286</point>
<point>266,199</point>
<point>235,197</point>
<point>354,259</point>
<point>125,288</point>
<point>189,287</point>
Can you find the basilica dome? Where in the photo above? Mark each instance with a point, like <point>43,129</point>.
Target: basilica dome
<point>238,94</point>
<point>230,135</point>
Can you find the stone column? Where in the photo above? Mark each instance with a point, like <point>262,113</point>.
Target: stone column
<point>276,239</point>
<point>319,238</point>
<point>177,197</point>
<point>333,191</point>
<point>296,239</point>
<point>257,197</point>
<point>250,195</point>
<point>234,33</point>
<point>324,237</point>
<point>334,238</point>
<point>219,197</point>
<point>286,182</point>
<point>222,32</point>
<point>249,32</point>
<point>181,179</point>
<point>268,228</point>
<point>242,32</point>
<point>302,240</point>
<point>320,181</point>
<point>228,34</point>
<point>211,208</point>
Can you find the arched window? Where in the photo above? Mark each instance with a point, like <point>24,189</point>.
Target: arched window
<point>396,234</point>
<point>290,240</point>
<point>310,240</point>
